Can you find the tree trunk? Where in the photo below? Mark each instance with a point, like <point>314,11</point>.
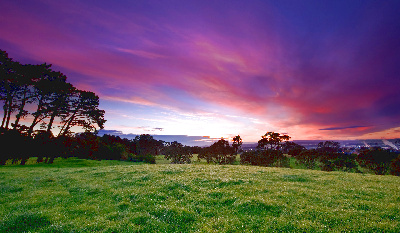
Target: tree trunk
<point>67,124</point>
<point>53,116</point>
<point>35,120</point>
<point>9,111</point>
<point>21,109</point>
<point>5,107</point>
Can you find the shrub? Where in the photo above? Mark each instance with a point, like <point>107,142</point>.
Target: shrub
<point>376,159</point>
<point>177,153</point>
<point>220,152</point>
<point>148,158</point>
<point>267,157</point>
<point>308,158</point>
<point>395,166</point>
<point>345,162</point>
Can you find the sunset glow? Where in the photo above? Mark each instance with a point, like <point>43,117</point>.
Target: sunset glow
<point>311,69</point>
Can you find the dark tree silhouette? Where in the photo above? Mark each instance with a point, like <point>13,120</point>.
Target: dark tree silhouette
<point>55,99</point>
<point>237,144</point>
<point>82,110</point>
<point>376,159</point>
<point>272,140</point>
<point>177,153</point>
<point>292,148</point>
<point>8,86</point>
<point>27,87</point>
<point>268,151</point>
<point>329,153</point>
<point>220,152</point>
<point>395,166</point>
<point>308,158</point>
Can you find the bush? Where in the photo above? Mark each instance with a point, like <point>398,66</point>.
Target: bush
<point>308,158</point>
<point>220,152</point>
<point>148,158</point>
<point>248,157</point>
<point>178,153</point>
<point>376,159</point>
<point>395,166</point>
<point>113,151</point>
<point>266,157</point>
<point>345,162</point>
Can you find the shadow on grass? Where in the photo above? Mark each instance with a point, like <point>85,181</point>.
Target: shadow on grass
<point>255,207</point>
<point>26,222</point>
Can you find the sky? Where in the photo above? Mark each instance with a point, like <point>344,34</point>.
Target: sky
<point>210,69</point>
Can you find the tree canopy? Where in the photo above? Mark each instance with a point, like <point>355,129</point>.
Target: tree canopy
<point>35,97</point>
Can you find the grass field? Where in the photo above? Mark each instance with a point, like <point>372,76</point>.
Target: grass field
<point>76,195</point>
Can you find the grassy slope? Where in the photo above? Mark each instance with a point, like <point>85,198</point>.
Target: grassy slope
<point>111,196</point>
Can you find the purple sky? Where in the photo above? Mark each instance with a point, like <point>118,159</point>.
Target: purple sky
<point>312,69</point>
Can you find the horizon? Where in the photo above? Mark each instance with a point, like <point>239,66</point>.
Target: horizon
<point>207,141</point>
<point>315,70</point>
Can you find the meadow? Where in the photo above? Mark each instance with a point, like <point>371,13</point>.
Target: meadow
<point>75,195</point>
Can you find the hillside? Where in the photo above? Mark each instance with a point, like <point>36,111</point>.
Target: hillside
<point>111,196</point>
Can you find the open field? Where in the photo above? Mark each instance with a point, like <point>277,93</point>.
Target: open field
<point>110,196</point>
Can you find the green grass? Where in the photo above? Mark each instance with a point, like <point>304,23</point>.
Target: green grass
<point>76,195</point>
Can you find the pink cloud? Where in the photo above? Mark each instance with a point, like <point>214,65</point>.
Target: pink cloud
<point>253,59</point>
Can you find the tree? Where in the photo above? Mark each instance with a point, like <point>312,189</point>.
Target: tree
<point>82,110</point>
<point>292,148</point>
<point>395,166</point>
<point>272,140</point>
<point>376,159</point>
<point>220,152</point>
<point>29,76</point>
<point>58,104</point>
<point>8,86</point>
<point>44,89</point>
<point>265,157</point>
<point>329,152</point>
<point>237,143</point>
<point>177,153</point>
<point>308,158</point>
<point>87,145</point>
<point>56,100</point>
<point>146,144</point>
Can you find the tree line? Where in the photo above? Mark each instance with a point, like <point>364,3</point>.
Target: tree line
<point>275,150</point>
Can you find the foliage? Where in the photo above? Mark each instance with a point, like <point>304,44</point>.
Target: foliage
<point>20,152</point>
<point>376,159</point>
<point>177,153</point>
<point>395,166</point>
<point>345,162</point>
<point>149,158</point>
<point>308,158</point>
<point>220,152</point>
<point>268,157</point>
<point>237,144</point>
<point>268,152</point>
<point>146,144</point>
<point>328,154</point>
<point>292,148</point>
<point>328,147</point>
<point>24,88</point>
<point>272,140</point>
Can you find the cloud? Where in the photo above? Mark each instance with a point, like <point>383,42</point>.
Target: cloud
<point>309,68</point>
<point>340,128</point>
